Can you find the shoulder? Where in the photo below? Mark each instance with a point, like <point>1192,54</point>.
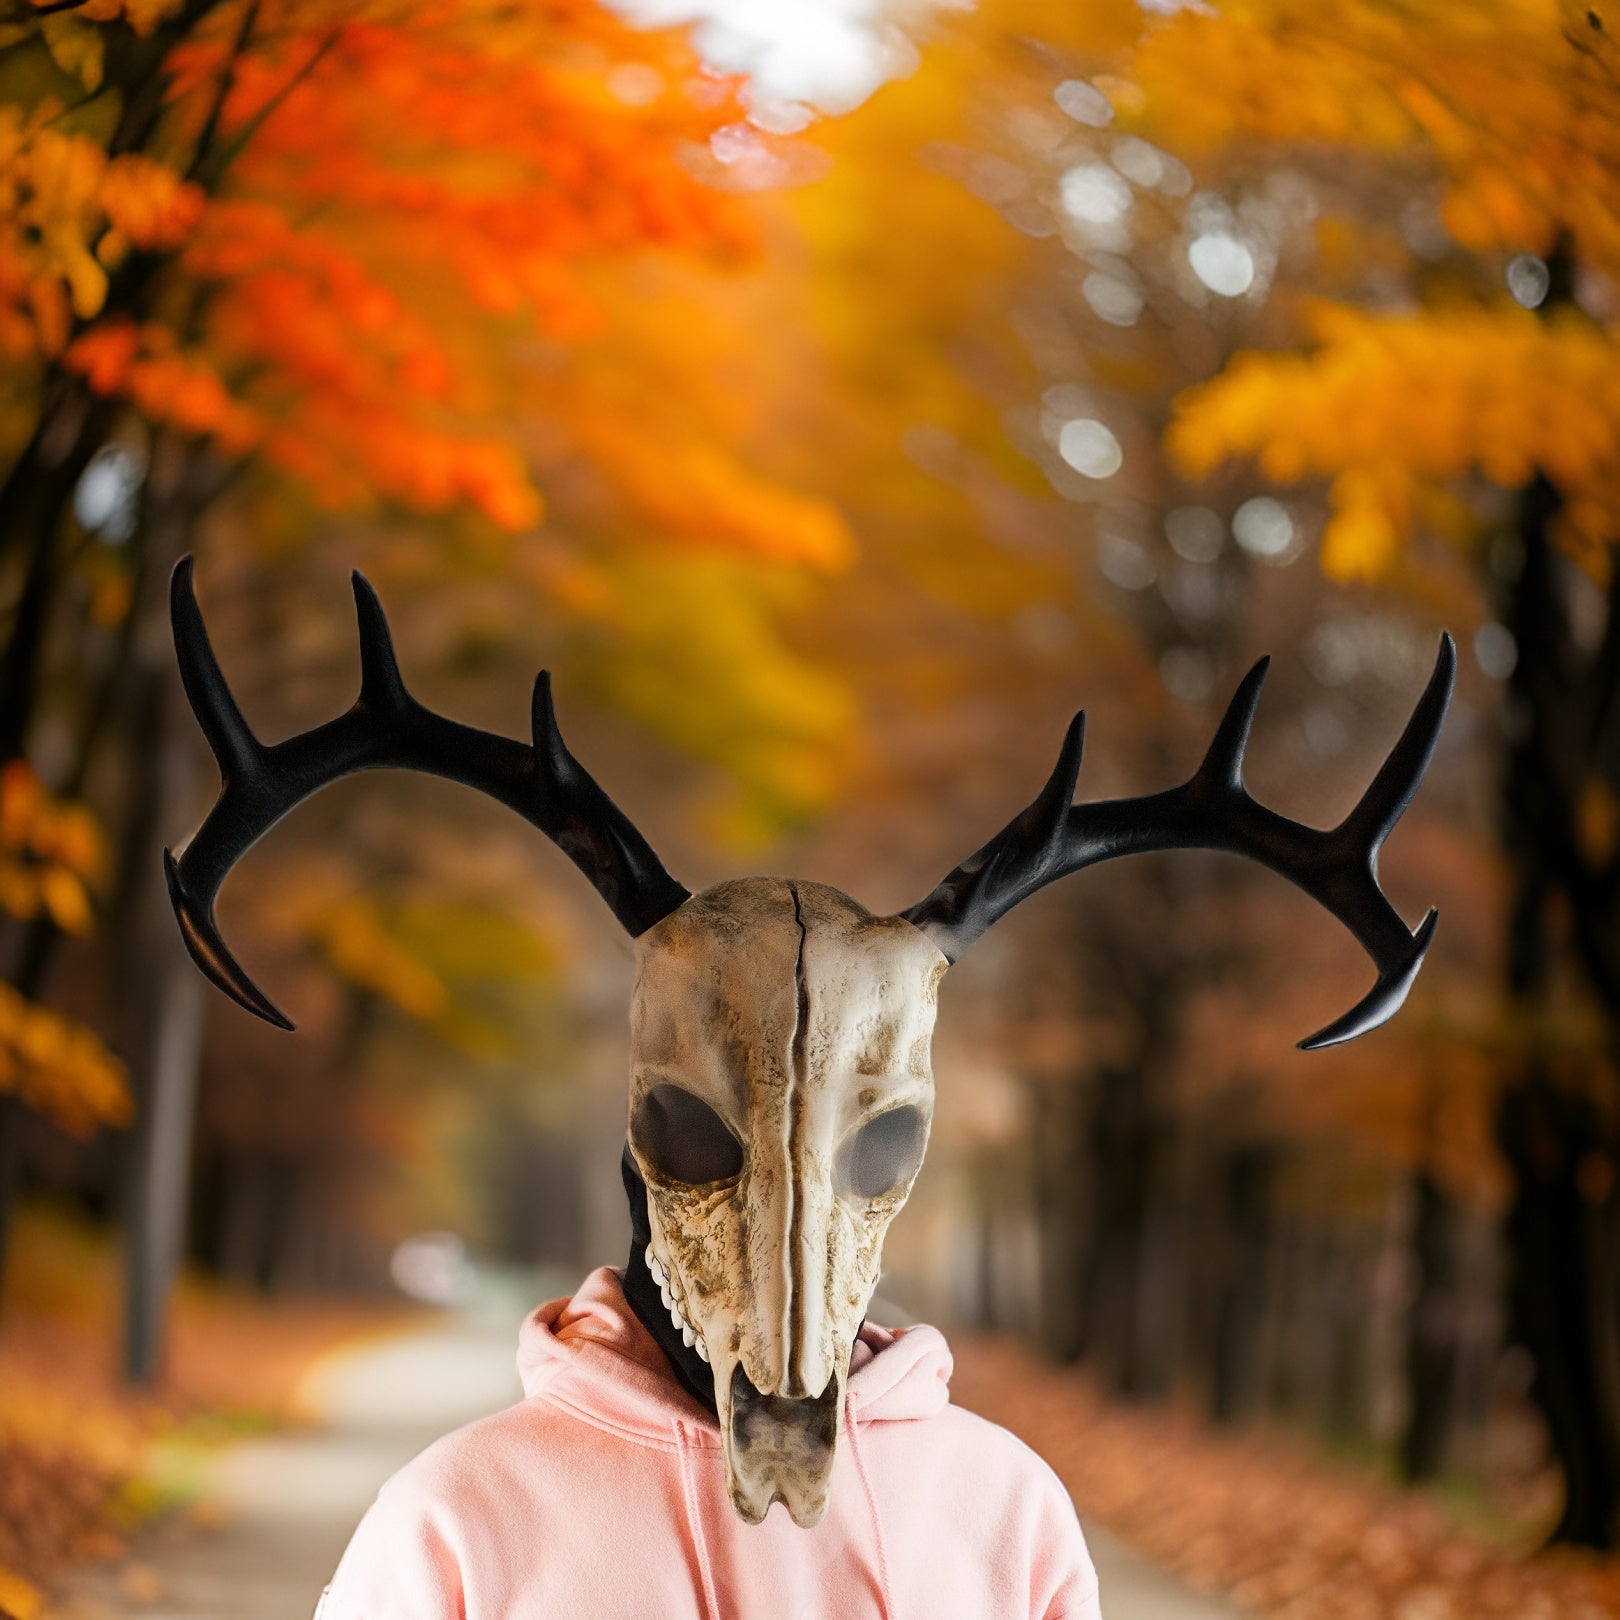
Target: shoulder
<point>997,1454</point>
<point>1003,1501</point>
<point>1037,1514</point>
<point>414,1553</point>
<point>434,1499</point>
<point>455,1530</point>
<point>493,1459</point>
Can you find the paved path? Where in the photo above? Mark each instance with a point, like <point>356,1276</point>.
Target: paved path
<point>286,1505</point>
<point>1133,1589</point>
<point>282,1509</point>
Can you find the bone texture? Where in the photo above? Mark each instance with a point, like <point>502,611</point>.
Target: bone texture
<point>798,1017</point>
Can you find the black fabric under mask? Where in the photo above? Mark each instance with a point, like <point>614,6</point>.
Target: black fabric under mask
<point>694,1373</point>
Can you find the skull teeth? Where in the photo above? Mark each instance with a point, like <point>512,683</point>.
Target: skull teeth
<point>671,1293</point>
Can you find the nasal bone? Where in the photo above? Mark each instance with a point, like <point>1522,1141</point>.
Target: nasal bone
<point>801,1365</point>
<point>792,1240</point>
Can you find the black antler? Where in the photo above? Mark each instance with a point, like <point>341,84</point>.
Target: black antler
<point>1338,868</point>
<point>386,729</point>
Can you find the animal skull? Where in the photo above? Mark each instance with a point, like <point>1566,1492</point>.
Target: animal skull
<point>780,1098</point>
<point>781,1089</point>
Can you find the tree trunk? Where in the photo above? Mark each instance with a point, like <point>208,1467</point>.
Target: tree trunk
<point>1559,1305</point>
<point>1126,1153</point>
<point>161,992</point>
<point>1240,1304</point>
<point>1559,1300</point>
<point>1060,1217</point>
<point>161,1163</point>
<point>1432,1346</point>
<point>1562,711</point>
<point>1349,1371</point>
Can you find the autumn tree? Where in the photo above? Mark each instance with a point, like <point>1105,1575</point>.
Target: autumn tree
<point>1075,317</point>
<point>1443,377</point>
<point>310,257</point>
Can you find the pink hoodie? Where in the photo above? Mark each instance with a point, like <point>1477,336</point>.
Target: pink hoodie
<point>603,1495</point>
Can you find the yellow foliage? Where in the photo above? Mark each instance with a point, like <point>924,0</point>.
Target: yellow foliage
<point>1389,407</point>
<point>469,944</point>
<point>59,1068</point>
<point>778,726</point>
<point>1513,101</point>
<point>75,47</point>
<point>50,215</point>
<point>355,940</point>
<point>51,852</point>
<point>65,899</point>
<point>141,15</point>
<point>1363,535</point>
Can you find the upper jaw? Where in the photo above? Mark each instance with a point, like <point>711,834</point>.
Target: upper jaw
<point>673,1295</point>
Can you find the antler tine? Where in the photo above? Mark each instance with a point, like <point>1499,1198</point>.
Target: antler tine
<point>1024,856</point>
<point>209,950</point>
<point>1358,839</point>
<point>382,687</point>
<point>1223,762</point>
<point>192,880</point>
<point>574,812</point>
<point>1213,810</point>
<point>1391,790</point>
<point>385,728</point>
<point>236,750</point>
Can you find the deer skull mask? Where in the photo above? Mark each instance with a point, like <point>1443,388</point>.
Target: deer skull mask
<point>780,1096</point>
<point>781,1087</point>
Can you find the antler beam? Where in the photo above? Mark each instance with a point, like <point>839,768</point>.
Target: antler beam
<point>1337,867</point>
<point>385,729</point>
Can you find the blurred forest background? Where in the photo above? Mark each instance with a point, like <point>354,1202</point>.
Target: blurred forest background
<point>834,407</point>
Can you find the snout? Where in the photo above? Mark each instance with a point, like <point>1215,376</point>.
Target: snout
<point>794,1245</point>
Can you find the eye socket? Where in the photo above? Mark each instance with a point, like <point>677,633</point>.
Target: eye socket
<point>882,1153</point>
<point>683,1138</point>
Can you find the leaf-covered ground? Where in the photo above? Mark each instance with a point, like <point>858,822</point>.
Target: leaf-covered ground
<point>1263,1520</point>
<point>74,1442</point>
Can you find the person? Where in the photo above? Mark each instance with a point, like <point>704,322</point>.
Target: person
<point>717,1430</point>
<point>603,1493</point>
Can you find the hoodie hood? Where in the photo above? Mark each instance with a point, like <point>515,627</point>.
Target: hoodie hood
<point>591,1353</point>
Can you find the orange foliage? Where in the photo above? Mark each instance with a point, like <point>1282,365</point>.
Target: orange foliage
<point>693,492</point>
<point>150,206</point>
<point>73,1439</point>
<point>357,212</point>
<point>1259,1521</point>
